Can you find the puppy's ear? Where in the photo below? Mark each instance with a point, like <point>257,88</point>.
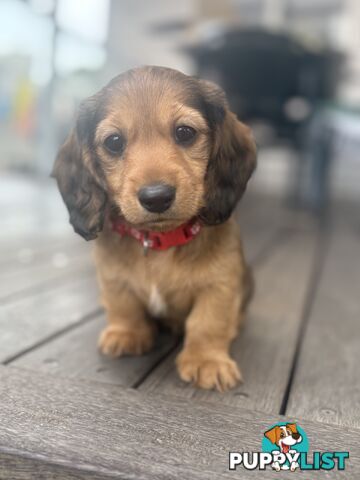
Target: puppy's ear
<point>78,183</point>
<point>232,160</point>
<point>272,435</point>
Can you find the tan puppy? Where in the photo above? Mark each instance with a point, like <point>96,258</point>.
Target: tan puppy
<point>153,169</point>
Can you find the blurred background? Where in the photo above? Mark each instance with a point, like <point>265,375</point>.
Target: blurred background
<point>291,69</point>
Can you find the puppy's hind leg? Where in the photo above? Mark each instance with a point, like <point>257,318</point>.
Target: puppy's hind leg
<point>129,331</point>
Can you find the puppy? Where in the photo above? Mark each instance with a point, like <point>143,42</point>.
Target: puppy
<point>153,170</point>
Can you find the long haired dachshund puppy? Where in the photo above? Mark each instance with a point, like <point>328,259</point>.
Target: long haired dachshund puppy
<point>153,170</point>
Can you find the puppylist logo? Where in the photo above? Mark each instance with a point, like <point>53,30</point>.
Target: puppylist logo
<point>285,447</point>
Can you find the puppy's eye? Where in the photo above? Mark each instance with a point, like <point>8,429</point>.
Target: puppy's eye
<point>114,143</point>
<point>184,134</point>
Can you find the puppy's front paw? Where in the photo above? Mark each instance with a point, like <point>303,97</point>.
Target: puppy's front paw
<point>208,370</point>
<point>115,341</point>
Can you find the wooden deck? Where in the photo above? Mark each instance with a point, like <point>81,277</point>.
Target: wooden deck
<point>67,412</point>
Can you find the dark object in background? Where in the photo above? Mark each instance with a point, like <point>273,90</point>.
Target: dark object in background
<point>269,76</point>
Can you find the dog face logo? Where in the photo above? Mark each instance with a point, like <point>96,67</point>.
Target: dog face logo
<point>286,437</point>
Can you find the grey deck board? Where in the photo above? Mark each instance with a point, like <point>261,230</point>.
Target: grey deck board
<point>38,244</point>
<point>31,320</point>
<point>265,346</point>
<point>326,386</point>
<point>113,432</point>
<point>74,355</point>
<point>258,234</point>
<point>263,225</point>
<point>23,258</point>
<point>41,276</point>
<point>30,467</point>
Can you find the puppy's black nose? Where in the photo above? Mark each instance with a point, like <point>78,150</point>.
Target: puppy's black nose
<point>296,435</point>
<point>156,198</point>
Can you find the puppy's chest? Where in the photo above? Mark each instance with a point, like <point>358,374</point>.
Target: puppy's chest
<point>165,299</point>
<point>156,302</point>
<point>165,285</point>
<point>164,288</point>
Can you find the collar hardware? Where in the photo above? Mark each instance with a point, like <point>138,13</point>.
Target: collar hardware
<point>152,240</point>
<point>146,243</point>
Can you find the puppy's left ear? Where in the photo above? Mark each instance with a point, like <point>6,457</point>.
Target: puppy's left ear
<point>232,160</point>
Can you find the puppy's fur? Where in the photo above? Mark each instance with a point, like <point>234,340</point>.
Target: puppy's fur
<point>202,286</point>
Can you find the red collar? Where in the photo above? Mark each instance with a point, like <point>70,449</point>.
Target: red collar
<point>159,240</point>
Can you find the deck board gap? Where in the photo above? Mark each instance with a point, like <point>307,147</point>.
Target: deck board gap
<point>164,358</point>
<point>48,284</point>
<point>322,248</point>
<point>86,319</point>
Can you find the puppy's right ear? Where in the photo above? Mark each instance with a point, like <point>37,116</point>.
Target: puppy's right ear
<point>77,181</point>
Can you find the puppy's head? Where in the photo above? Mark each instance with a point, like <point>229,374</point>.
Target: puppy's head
<point>157,147</point>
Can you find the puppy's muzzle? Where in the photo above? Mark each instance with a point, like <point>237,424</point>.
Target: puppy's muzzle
<point>157,197</point>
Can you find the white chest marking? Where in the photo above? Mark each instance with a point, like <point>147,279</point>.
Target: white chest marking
<point>157,304</point>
